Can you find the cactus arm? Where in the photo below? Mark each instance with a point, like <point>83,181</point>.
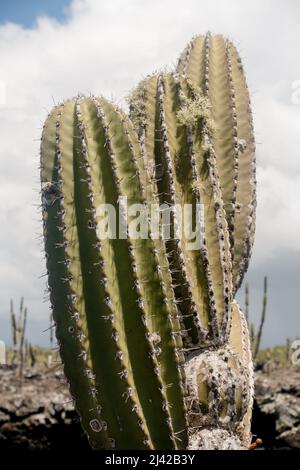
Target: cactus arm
<point>207,68</point>
<point>176,184</point>
<point>157,180</point>
<point>146,299</point>
<point>164,325</point>
<point>70,323</point>
<point>138,389</point>
<point>174,191</point>
<point>132,334</point>
<point>215,250</point>
<point>224,116</point>
<point>113,371</point>
<point>213,64</point>
<point>160,177</point>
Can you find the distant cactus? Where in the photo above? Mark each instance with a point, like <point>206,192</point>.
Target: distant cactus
<point>18,330</point>
<point>2,353</point>
<point>288,350</point>
<point>154,346</point>
<point>32,355</point>
<point>252,337</point>
<point>247,302</point>
<point>255,337</point>
<point>262,319</point>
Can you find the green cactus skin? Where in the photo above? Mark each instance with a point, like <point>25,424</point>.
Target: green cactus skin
<point>118,331</point>
<point>213,63</point>
<point>187,174</point>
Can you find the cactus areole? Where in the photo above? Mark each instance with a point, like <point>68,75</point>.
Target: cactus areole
<point>155,348</point>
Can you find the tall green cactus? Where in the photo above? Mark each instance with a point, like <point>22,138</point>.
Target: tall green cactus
<point>182,170</point>
<point>155,349</point>
<point>213,63</point>
<point>175,123</point>
<point>112,300</point>
<point>201,142</point>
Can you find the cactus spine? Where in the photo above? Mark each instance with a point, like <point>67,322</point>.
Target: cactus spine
<point>154,346</point>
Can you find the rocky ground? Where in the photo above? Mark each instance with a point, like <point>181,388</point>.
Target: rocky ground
<point>276,417</point>
<point>38,413</point>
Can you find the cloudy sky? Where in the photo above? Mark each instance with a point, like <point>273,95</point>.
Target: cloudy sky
<point>50,50</point>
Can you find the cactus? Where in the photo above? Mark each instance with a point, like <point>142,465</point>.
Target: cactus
<point>255,336</point>
<point>22,340</point>
<point>112,300</point>
<point>32,355</point>
<point>155,349</point>
<point>18,329</point>
<point>247,302</point>
<point>213,64</point>
<point>193,143</point>
<point>182,170</point>
<point>288,344</point>
<point>2,353</point>
<point>262,319</point>
<point>14,332</point>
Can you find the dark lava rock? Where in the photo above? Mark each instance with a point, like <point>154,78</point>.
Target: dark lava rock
<point>39,414</point>
<point>276,414</point>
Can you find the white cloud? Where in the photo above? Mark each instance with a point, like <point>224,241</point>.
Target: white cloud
<point>278,221</point>
<point>277,129</point>
<point>106,47</point>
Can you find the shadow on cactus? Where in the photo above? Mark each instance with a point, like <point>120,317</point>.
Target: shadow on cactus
<point>154,346</point>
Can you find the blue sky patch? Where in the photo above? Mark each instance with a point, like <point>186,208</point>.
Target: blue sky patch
<point>25,12</point>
